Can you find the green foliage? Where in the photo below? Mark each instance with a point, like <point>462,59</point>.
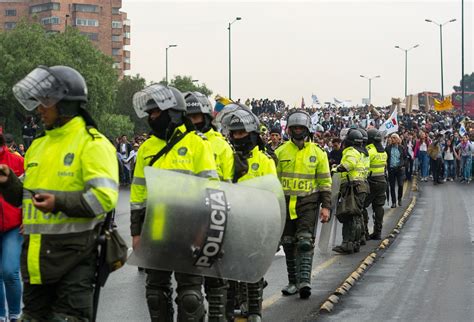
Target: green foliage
<point>468,83</point>
<point>127,87</point>
<point>28,45</point>
<point>186,84</point>
<point>115,125</point>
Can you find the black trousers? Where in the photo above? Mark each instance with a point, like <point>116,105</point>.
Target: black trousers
<point>69,298</point>
<point>395,177</point>
<point>437,166</point>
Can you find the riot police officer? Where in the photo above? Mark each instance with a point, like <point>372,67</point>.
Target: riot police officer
<point>366,163</point>
<point>352,169</point>
<point>199,111</point>
<point>250,161</point>
<point>173,145</point>
<point>377,182</point>
<point>303,169</point>
<point>71,181</point>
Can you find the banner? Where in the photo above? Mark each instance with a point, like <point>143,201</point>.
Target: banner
<point>462,130</point>
<point>391,125</point>
<point>315,99</point>
<point>444,105</point>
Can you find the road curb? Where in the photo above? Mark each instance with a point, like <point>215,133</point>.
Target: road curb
<point>343,289</point>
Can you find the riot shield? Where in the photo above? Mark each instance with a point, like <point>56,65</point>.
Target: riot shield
<point>268,182</point>
<point>204,227</point>
<point>329,228</point>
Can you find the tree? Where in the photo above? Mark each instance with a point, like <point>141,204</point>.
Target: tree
<point>127,87</point>
<point>468,84</point>
<point>186,84</point>
<point>28,45</point>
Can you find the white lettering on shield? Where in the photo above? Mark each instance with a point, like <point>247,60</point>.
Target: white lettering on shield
<point>215,235</point>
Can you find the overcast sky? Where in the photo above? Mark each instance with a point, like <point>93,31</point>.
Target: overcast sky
<point>290,49</point>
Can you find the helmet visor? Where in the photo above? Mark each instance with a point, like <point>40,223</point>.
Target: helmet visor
<point>163,97</point>
<point>40,87</point>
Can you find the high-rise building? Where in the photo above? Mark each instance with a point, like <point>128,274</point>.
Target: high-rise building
<point>101,21</point>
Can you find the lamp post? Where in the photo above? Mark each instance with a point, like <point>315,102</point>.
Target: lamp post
<point>462,56</point>
<point>230,61</point>
<point>169,46</point>
<point>406,63</point>
<point>370,85</point>
<point>440,25</point>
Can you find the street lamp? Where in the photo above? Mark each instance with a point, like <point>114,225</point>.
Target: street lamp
<point>440,25</point>
<point>230,61</point>
<point>169,46</point>
<point>406,63</point>
<point>195,80</point>
<point>370,85</point>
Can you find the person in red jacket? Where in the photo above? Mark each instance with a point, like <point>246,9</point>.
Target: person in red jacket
<point>10,243</point>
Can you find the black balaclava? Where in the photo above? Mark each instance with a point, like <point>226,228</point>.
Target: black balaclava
<point>246,144</point>
<point>160,125</point>
<point>301,136</point>
<point>205,125</point>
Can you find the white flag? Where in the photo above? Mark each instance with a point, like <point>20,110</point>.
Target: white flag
<point>390,125</point>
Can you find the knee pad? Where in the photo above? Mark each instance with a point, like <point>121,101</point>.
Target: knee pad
<point>305,242</point>
<point>160,303</point>
<point>190,305</point>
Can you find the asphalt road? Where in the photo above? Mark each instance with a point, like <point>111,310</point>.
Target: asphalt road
<point>123,298</point>
<point>428,273</point>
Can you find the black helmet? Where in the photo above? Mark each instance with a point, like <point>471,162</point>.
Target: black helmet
<point>364,134</point>
<point>354,137</point>
<point>49,85</point>
<point>374,136</point>
<point>197,103</point>
<point>158,96</point>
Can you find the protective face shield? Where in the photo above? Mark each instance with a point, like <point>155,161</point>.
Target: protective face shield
<point>212,228</point>
<point>240,120</point>
<point>298,118</point>
<point>197,103</point>
<point>158,96</point>
<point>40,87</point>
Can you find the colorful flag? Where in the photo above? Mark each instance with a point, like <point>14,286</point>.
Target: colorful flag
<point>390,125</point>
<point>444,105</point>
<point>221,102</point>
<point>462,130</point>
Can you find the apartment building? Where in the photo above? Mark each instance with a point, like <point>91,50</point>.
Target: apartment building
<point>101,21</point>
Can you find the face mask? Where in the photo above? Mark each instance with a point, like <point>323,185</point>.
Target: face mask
<point>203,126</point>
<point>160,125</point>
<point>244,144</point>
<point>299,136</point>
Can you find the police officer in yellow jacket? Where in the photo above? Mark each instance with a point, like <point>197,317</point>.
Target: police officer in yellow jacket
<point>187,151</point>
<point>250,161</point>
<point>377,182</point>
<point>71,181</point>
<point>353,172</point>
<point>198,109</point>
<point>303,169</point>
<point>366,162</point>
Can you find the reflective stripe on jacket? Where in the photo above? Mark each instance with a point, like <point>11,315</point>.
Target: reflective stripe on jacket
<point>354,164</point>
<point>378,161</point>
<point>67,160</point>
<point>191,155</point>
<point>302,172</point>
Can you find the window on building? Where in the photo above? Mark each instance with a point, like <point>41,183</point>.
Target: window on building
<point>10,12</point>
<point>116,24</point>
<point>116,38</point>
<point>126,35</point>
<point>115,11</point>
<point>116,65</point>
<point>10,25</point>
<point>87,22</point>
<point>91,35</point>
<point>85,8</point>
<point>45,7</point>
<point>116,52</point>
<point>126,60</point>
<point>50,21</point>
